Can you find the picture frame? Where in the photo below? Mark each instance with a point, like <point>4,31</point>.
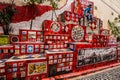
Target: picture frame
<point>40,68</point>
<point>30,48</point>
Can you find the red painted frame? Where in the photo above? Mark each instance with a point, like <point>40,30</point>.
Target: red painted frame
<point>56,41</point>
<point>70,18</point>
<point>94,65</point>
<point>2,67</point>
<point>69,31</point>
<point>11,36</point>
<point>37,75</point>
<point>100,40</point>
<point>39,35</point>
<point>18,48</point>
<point>47,27</point>
<point>15,65</point>
<point>78,7</point>
<point>6,51</point>
<point>58,54</point>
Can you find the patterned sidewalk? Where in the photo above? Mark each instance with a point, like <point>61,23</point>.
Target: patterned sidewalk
<point>107,74</point>
<point>100,73</point>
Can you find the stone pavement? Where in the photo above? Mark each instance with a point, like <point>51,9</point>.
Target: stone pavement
<point>107,74</point>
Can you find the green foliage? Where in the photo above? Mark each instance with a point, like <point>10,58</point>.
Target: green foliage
<point>34,1</point>
<point>6,14</point>
<point>6,17</point>
<point>116,18</point>
<point>115,27</point>
<point>118,38</point>
<point>53,3</point>
<point>119,16</point>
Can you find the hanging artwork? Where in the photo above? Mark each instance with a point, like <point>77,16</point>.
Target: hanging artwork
<point>52,27</point>
<point>77,33</point>
<point>4,40</point>
<point>30,48</point>
<point>37,68</point>
<point>104,32</point>
<point>92,56</point>
<point>55,27</point>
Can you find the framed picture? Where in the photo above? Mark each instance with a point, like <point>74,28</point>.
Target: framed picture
<point>39,33</point>
<point>36,46</point>
<point>72,47</point>
<point>14,64</point>
<point>14,69</point>
<point>90,56</point>
<point>50,61</point>
<point>5,50</point>
<point>20,64</point>
<point>55,37</point>
<point>24,38</point>
<point>47,37</point>
<point>37,50</point>
<point>23,46</point>
<point>9,70</point>
<point>77,33</point>
<point>58,69</point>
<point>71,55</point>
<point>17,51</point>
<point>17,46</point>
<point>55,27</point>
<point>55,56</point>
<point>11,51</point>
<point>24,32</point>
<point>37,68</point>
<point>41,46</point>
<point>23,50</point>
<point>14,75</point>
<point>61,65</point>
<point>2,70</point>
<point>55,61</point>
<point>23,74</point>
<point>60,56</point>
<point>22,68</point>
<point>4,40</point>
<point>50,57</point>
<point>52,27</point>
<point>104,32</point>
<point>68,59</point>
<point>59,60</point>
<point>63,60</point>
<point>30,48</point>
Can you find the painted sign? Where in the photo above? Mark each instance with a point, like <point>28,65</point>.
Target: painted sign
<point>90,56</point>
<point>37,68</point>
<point>4,40</point>
<point>30,48</point>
